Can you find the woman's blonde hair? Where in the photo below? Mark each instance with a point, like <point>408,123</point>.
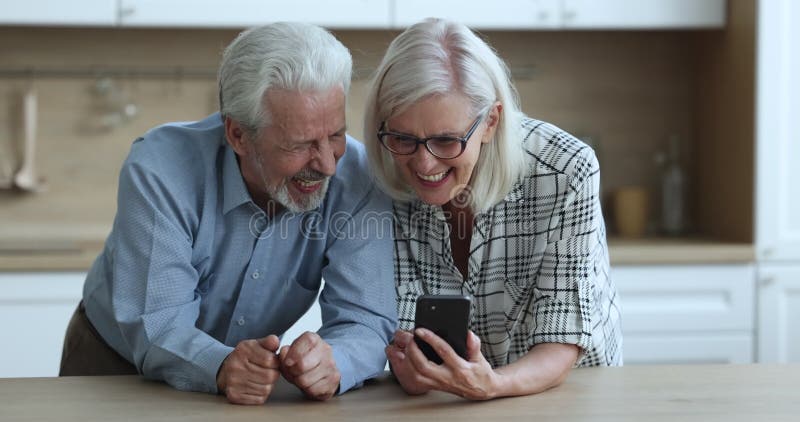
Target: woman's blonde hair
<point>438,57</point>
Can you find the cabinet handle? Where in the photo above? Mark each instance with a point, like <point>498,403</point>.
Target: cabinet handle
<point>766,280</point>
<point>126,11</point>
<point>543,16</point>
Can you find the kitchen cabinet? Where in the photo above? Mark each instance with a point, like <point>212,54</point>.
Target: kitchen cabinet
<point>58,13</point>
<point>353,14</point>
<point>687,313</point>
<point>499,14</point>
<point>372,14</point>
<point>778,181</point>
<point>568,14</point>
<point>779,313</point>
<point>777,126</point>
<point>35,309</point>
<point>638,14</point>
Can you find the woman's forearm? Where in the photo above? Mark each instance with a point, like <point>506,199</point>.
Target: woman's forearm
<point>543,367</point>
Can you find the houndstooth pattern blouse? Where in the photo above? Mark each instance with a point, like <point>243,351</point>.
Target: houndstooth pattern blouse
<point>538,263</point>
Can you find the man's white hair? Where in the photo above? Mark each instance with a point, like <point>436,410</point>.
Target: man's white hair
<point>286,55</point>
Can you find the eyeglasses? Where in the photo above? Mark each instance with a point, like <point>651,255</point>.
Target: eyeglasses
<point>443,146</point>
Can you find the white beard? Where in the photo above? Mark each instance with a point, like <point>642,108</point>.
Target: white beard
<point>280,193</point>
<point>307,202</point>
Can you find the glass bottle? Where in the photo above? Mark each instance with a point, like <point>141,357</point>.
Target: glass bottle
<point>673,190</point>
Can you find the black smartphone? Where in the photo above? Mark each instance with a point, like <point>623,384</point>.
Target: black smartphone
<point>448,317</point>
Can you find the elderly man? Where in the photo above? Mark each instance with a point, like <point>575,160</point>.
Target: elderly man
<point>226,226</point>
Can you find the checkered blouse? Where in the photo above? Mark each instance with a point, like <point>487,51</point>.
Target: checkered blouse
<point>538,263</point>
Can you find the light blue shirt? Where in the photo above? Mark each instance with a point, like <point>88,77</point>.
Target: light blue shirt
<point>192,266</point>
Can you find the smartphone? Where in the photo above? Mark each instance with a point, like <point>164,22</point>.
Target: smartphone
<point>448,317</point>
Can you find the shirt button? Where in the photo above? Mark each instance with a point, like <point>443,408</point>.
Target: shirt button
<point>240,321</point>
<point>256,274</point>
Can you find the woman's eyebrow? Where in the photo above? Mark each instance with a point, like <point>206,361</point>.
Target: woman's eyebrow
<point>448,134</point>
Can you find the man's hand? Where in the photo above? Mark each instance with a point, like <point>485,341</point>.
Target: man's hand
<point>308,363</point>
<point>249,373</point>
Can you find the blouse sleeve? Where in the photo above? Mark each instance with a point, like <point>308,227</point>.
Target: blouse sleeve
<point>574,266</point>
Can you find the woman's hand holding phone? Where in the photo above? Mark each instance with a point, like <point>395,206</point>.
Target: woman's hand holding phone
<point>402,368</point>
<point>472,378</point>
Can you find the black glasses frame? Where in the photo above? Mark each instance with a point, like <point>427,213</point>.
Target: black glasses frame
<point>424,141</point>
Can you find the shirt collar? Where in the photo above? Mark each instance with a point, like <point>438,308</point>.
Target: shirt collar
<point>234,191</point>
<point>517,192</point>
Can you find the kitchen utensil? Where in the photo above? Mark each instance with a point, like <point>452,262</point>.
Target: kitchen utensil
<point>113,104</point>
<point>6,167</point>
<point>631,209</point>
<point>26,178</point>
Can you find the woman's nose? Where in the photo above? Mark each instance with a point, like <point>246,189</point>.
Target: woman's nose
<point>423,159</point>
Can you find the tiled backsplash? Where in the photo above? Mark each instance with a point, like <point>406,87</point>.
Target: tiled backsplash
<point>627,91</point>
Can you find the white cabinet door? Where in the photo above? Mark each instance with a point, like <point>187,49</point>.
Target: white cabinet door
<point>686,298</point>
<point>636,14</point>
<point>498,14</point>
<point>687,313</point>
<point>779,313</point>
<point>245,13</point>
<point>777,129</point>
<point>670,349</point>
<point>34,311</point>
<point>58,12</point>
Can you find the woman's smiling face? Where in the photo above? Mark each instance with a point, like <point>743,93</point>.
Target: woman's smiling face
<point>435,180</point>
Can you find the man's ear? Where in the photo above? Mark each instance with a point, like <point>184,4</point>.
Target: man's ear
<point>236,136</point>
<point>492,121</point>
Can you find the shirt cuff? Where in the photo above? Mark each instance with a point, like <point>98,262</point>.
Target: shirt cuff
<point>209,361</point>
<point>347,379</point>
<point>569,327</point>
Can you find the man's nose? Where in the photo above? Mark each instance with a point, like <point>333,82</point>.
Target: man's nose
<point>325,159</point>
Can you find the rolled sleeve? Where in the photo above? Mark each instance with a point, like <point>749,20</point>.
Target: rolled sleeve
<point>563,299</point>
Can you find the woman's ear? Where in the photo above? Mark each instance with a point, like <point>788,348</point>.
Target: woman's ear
<point>235,134</point>
<point>492,121</point>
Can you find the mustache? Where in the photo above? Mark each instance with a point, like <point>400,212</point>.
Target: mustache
<point>310,175</point>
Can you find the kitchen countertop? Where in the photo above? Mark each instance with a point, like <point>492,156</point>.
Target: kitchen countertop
<point>634,393</point>
<point>60,255</point>
<point>48,255</point>
<point>678,251</point>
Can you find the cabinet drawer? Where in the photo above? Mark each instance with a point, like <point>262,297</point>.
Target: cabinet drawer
<point>35,309</point>
<point>686,298</point>
<point>681,349</point>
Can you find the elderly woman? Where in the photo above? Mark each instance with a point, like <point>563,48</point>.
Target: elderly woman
<point>492,204</point>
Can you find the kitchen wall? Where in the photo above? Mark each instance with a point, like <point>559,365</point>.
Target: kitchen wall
<point>626,90</point>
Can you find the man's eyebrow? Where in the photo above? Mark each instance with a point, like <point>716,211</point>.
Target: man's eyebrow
<point>341,131</point>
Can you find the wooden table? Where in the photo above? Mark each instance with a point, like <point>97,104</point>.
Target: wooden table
<point>634,393</point>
